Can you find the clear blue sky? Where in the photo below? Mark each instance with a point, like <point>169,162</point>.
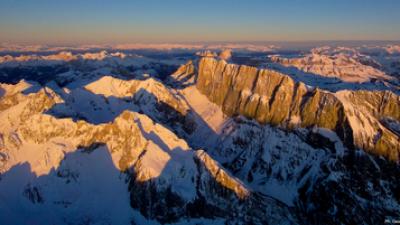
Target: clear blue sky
<point>129,21</point>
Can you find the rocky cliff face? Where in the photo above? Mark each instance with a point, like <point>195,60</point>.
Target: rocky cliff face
<point>306,146</point>
<point>311,171</point>
<point>95,146</point>
<point>165,179</point>
<point>274,98</point>
<point>138,145</point>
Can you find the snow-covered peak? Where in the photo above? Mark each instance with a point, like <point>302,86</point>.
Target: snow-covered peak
<point>95,56</point>
<point>196,144</point>
<point>10,89</point>
<point>64,57</point>
<point>137,89</point>
<point>393,49</point>
<point>147,152</point>
<point>344,65</point>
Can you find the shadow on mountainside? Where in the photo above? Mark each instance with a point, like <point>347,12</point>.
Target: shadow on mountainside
<point>81,104</point>
<point>88,188</point>
<point>327,198</point>
<point>334,84</point>
<point>80,190</point>
<point>40,74</point>
<point>366,191</point>
<point>96,109</point>
<point>64,72</point>
<point>210,195</point>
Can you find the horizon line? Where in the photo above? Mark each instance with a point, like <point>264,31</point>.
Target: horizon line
<point>194,42</point>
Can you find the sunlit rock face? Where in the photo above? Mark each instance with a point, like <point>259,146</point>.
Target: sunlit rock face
<point>274,98</point>
<point>299,143</point>
<point>213,143</point>
<point>160,175</point>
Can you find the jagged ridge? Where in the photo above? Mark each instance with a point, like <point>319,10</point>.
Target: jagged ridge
<point>159,165</point>
<point>272,97</point>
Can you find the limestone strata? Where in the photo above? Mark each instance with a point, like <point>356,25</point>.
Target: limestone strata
<point>274,98</point>
<point>159,165</point>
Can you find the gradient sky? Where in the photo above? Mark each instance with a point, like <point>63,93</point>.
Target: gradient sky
<point>130,21</point>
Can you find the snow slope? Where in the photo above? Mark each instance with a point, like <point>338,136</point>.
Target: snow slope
<point>63,165</point>
<point>94,146</point>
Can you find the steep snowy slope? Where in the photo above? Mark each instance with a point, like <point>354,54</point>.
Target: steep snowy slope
<point>214,143</point>
<point>274,98</point>
<point>301,167</point>
<point>312,171</point>
<point>145,160</point>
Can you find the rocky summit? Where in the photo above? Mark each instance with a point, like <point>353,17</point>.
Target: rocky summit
<point>213,135</point>
<point>274,98</point>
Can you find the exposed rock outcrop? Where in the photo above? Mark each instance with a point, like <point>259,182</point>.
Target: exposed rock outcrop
<point>166,179</point>
<point>274,98</point>
<point>184,75</point>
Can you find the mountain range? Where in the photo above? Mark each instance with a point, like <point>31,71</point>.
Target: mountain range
<point>241,136</point>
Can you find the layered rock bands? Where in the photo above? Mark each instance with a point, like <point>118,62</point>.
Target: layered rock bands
<point>359,118</point>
